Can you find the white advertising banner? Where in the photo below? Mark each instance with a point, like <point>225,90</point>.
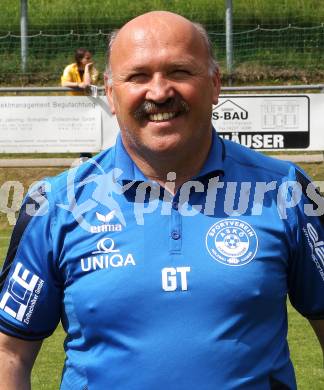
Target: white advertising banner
<point>49,124</point>
<point>265,121</point>
<point>52,124</point>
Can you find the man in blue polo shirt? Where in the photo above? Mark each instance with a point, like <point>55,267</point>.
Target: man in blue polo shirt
<point>168,258</point>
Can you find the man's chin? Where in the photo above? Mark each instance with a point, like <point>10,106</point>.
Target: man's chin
<point>164,144</point>
<point>152,144</point>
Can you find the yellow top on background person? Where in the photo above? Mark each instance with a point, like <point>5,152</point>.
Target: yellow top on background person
<point>81,74</point>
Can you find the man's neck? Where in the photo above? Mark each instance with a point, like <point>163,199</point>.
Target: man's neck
<point>185,165</point>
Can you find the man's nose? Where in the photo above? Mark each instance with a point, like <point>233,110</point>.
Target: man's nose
<point>159,89</point>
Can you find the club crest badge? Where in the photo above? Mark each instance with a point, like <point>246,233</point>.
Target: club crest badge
<point>232,242</point>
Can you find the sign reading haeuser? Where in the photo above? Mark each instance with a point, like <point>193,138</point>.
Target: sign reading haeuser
<point>264,122</point>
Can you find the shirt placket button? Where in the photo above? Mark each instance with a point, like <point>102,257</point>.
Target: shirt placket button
<point>175,235</point>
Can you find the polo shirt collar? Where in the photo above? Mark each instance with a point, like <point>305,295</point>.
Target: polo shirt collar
<point>215,159</point>
<point>130,171</point>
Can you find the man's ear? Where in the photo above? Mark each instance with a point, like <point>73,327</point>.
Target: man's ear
<point>216,85</point>
<point>109,93</point>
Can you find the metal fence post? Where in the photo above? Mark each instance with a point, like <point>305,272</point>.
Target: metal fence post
<point>23,34</point>
<point>229,39</point>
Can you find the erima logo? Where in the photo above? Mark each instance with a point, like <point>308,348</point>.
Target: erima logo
<point>106,256</point>
<point>106,226</point>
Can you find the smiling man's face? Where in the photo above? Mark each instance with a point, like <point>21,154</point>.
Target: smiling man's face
<point>162,89</point>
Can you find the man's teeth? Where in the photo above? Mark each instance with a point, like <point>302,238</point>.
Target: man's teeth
<point>162,116</point>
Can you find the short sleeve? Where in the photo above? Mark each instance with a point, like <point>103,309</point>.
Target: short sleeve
<point>306,266</point>
<point>67,75</point>
<point>30,288</point>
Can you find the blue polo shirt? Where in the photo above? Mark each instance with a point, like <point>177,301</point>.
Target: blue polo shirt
<point>157,291</point>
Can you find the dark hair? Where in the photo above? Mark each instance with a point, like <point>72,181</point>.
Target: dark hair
<point>80,53</point>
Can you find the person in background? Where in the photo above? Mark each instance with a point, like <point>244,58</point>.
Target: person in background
<point>80,76</point>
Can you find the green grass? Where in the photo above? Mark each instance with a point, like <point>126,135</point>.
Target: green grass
<point>305,349</point>
<point>286,53</point>
<point>48,367</point>
<point>62,14</point>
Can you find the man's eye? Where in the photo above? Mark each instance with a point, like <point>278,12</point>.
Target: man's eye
<point>137,78</point>
<point>180,73</point>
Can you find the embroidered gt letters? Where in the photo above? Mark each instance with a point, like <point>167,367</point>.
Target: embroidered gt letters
<point>172,276</point>
<point>232,242</point>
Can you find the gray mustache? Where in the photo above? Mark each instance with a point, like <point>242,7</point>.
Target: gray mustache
<point>149,107</point>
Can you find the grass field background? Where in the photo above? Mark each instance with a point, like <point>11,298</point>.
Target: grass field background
<point>281,54</point>
<point>305,349</point>
<point>61,14</point>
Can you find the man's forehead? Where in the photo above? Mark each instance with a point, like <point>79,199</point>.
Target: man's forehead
<point>159,26</point>
<point>159,54</point>
<point>151,20</point>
